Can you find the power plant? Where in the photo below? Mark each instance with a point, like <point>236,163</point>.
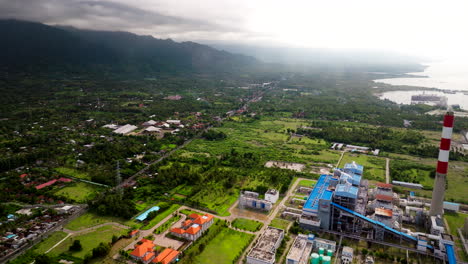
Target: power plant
<point>345,203</point>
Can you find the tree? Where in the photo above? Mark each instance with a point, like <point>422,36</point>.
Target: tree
<point>76,246</point>
<point>42,259</point>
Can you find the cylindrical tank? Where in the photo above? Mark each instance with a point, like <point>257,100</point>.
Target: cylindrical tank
<point>321,257</point>
<point>326,259</point>
<point>321,250</point>
<point>314,258</point>
<point>329,253</point>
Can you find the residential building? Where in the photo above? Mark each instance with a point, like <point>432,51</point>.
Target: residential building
<point>144,251</point>
<point>123,130</point>
<point>167,256</point>
<point>193,227</point>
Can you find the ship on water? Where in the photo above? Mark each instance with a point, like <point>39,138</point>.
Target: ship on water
<point>429,99</point>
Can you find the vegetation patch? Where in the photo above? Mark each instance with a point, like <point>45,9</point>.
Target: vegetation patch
<point>280,223</point>
<point>79,192</point>
<point>88,241</point>
<point>455,221</point>
<point>73,173</point>
<point>161,215</point>
<point>49,242</point>
<point>247,224</point>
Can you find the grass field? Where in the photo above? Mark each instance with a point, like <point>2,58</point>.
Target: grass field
<point>247,224</point>
<point>47,243</point>
<point>72,173</point>
<point>307,183</point>
<point>267,138</point>
<point>374,167</point>
<point>457,178</point>
<point>88,240</point>
<point>455,220</point>
<point>79,192</point>
<point>161,216</point>
<point>225,248</point>
<point>280,223</point>
<point>90,219</point>
<point>167,224</point>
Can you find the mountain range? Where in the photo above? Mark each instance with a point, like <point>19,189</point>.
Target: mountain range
<point>39,47</point>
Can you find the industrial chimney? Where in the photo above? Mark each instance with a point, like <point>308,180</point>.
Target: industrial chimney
<point>437,203</point>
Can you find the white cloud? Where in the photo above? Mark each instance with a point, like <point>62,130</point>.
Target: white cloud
<point>419,27</point>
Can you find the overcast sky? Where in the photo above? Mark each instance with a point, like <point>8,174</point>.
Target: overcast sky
<point>416,27</point>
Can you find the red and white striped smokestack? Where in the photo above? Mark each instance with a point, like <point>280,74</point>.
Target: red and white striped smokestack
<point>437,203</point>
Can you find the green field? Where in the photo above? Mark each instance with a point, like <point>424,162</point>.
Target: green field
<point>161,216</point>
<point>280,223</point>
<point>269,139</point>
<point>225,248</point>
<point>247,224</point>
<point>455,221</point>
<point>374,167</point>
<point>307,183</point>
<point>167,224</point>
<point>79,192</point>
<point>73,173</point>
<point>90,219</point>
<point>49,242</point>
<point>88,240</point>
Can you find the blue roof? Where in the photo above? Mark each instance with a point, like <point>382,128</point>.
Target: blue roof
<point>450,254</point>
<point>11,236</point>
<point>319,192</point>
<point>451,203</point>
<point>411,193</point>
<point>346,190</point>
<point>144,215</point>
<point>354,167</point>
<point>10,216</point>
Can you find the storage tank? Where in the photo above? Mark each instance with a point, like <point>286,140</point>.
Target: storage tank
<point>314,258</point>
<point>326,260</point>
<point>321,250</point>
<point>329,253</point>
<point>321,257</point>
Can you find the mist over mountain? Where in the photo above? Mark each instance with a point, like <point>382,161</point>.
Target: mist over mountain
<point>371,60</point>
<point>35,46</point>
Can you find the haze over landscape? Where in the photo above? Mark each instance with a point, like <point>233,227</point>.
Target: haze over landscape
<point>233,131</point>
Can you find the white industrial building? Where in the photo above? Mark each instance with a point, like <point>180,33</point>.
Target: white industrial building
<point>272,195</point>
<point>347,255</point>
<point>264,252</point>
<point>300,250</point>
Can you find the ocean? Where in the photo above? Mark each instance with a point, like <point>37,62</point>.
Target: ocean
<point>447,75</point>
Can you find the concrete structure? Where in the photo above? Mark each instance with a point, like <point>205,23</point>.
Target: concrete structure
<point>437,225</point>
<point>325,244</point>
<point>251,200</point>
<point>347,255</point>
<point>265,250</point>
<point>194,227</point>
<point>300,250</point>
<point>272,195</point>
<point>442,166</point>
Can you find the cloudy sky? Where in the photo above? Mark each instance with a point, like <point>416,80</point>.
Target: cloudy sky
<point>416,27</point>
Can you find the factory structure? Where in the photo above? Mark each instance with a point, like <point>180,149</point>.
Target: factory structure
<point>248,199</point>
<point>344,202</point>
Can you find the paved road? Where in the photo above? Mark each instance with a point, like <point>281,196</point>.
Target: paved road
<point>341,157</point>
<point>387,170</point>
